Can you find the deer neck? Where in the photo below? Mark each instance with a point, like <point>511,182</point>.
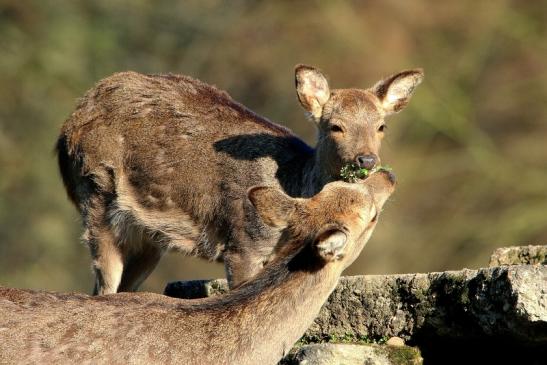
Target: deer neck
<point>289,319</point>
<point>286,303</point>
<point>315,175</point>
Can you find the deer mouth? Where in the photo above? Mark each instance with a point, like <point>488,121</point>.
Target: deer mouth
<point>381,184</point>
<point>352,173</point>
<point>387,178</point>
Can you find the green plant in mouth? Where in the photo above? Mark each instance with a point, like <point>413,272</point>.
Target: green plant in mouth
<point>351,172</point>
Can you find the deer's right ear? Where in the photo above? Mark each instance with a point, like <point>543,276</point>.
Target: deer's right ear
<point>312,89</point>
<point>273,206</point>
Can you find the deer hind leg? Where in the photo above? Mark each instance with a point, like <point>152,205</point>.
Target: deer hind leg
<point>107,259</point>
<point>140,264</point>
<point>106,251</point>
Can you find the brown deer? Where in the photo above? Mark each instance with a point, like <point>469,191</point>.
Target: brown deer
<point>256,323</point>
<point>162,162</point>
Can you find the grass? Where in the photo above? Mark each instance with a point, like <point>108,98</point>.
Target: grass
<point>352,173</point>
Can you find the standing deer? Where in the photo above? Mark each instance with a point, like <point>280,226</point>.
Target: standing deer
<point>256,323</point>
<point>163,162</point>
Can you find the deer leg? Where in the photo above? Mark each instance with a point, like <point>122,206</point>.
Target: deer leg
<point>107,260</point>
<point>105,248</point>
<point>242,265</point>
<point>139,265</point>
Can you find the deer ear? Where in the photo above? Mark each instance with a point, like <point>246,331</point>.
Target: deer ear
<point>395,91</point>
<point>273,206</point>
<point>312,89</point>
<point>330,245</point>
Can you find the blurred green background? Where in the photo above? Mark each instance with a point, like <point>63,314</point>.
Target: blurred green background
<point>470,151</point>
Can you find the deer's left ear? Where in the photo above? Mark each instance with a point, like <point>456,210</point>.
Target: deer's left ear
<point>395,91</point>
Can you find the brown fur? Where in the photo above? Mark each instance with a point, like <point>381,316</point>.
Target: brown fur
<point>160,162</point>
<point>257,323</point>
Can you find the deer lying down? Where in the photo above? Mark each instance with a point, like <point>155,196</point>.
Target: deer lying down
<point>161,162</point>
<point>256,323</point>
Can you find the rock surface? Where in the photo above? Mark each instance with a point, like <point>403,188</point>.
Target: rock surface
<point>507,302</point>
<point>193,289</point>
<point>353,354</point>
<point>519,255</point>
<point>395,341</point>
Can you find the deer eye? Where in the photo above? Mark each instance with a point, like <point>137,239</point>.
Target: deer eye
<point>382,128</point>
<point>336,128</point>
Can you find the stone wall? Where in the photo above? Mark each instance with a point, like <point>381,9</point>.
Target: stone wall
<point>499,313</point>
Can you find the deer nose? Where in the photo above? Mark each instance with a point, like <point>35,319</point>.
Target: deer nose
<point>366,161</point>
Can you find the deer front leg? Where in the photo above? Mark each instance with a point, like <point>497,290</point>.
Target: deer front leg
<point>249,245</point>
<point>242,264</point>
